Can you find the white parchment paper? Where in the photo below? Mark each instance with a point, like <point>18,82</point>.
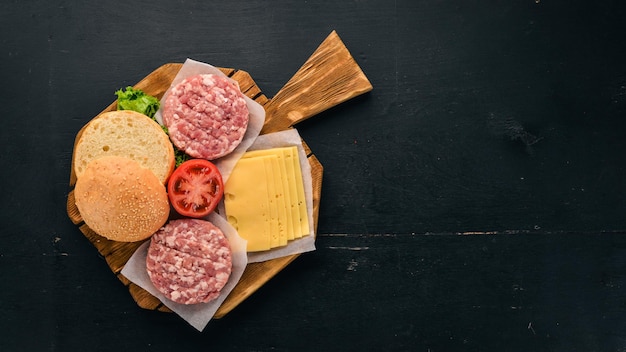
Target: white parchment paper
<point>257,114</point>
<point>197,315</point>
<point>286,138</point>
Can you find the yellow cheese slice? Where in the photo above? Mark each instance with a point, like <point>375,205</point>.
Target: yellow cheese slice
<point>279,195</point>
<point>246,203</point>
<point>269,180</point>
<point>302,214</point>
<point>292,206</point>
<point>271,199</point>
<point>285,156</point>
<point>302,207</point>
<point>289,223</point>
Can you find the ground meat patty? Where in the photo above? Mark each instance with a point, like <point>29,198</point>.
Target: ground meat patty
<point>189,261</point>
<point>206,116</point>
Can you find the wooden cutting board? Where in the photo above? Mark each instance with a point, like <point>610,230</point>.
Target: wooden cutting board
<point>329,77</point>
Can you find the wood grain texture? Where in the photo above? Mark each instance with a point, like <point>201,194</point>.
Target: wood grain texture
<point>328,78</point>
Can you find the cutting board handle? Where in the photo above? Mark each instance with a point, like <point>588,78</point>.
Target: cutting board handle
<point>329,77</point>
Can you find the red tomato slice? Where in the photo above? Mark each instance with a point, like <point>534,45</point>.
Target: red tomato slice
<point>195,188</point>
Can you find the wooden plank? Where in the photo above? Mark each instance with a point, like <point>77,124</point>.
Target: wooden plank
<point>328,78</point>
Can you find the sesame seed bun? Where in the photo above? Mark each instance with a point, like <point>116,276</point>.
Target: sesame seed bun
<point>121,200</point>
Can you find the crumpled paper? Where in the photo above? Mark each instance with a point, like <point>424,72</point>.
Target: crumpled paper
<point>197,315</point>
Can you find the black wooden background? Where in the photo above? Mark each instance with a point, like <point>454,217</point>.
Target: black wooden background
<point>475,200</point>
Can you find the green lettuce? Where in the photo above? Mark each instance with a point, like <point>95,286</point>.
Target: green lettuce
<point>137,100</point>
<point>180,156</point>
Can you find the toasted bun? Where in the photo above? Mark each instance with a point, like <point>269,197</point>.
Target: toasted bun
<point>121,200</point>
<point>129,134</point>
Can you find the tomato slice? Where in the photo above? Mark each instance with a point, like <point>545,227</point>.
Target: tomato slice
<point>195,188</point>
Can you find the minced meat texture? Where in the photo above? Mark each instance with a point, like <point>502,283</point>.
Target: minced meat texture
<point>206,116</point>
<point>189,261</point>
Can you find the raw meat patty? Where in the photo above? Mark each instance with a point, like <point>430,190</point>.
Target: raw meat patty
<point>206,116</point>
<point>189,261</point>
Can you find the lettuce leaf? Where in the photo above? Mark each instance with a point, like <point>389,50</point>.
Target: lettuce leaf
<point>137,100</point>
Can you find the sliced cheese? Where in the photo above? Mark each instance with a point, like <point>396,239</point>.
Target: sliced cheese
<point>279,196</point>
<point>289,164</point>
<point>271,199</point>
<point>269,179</point>
<point>288,159</point>
<point>247,205</point>
<point>303,217</point>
